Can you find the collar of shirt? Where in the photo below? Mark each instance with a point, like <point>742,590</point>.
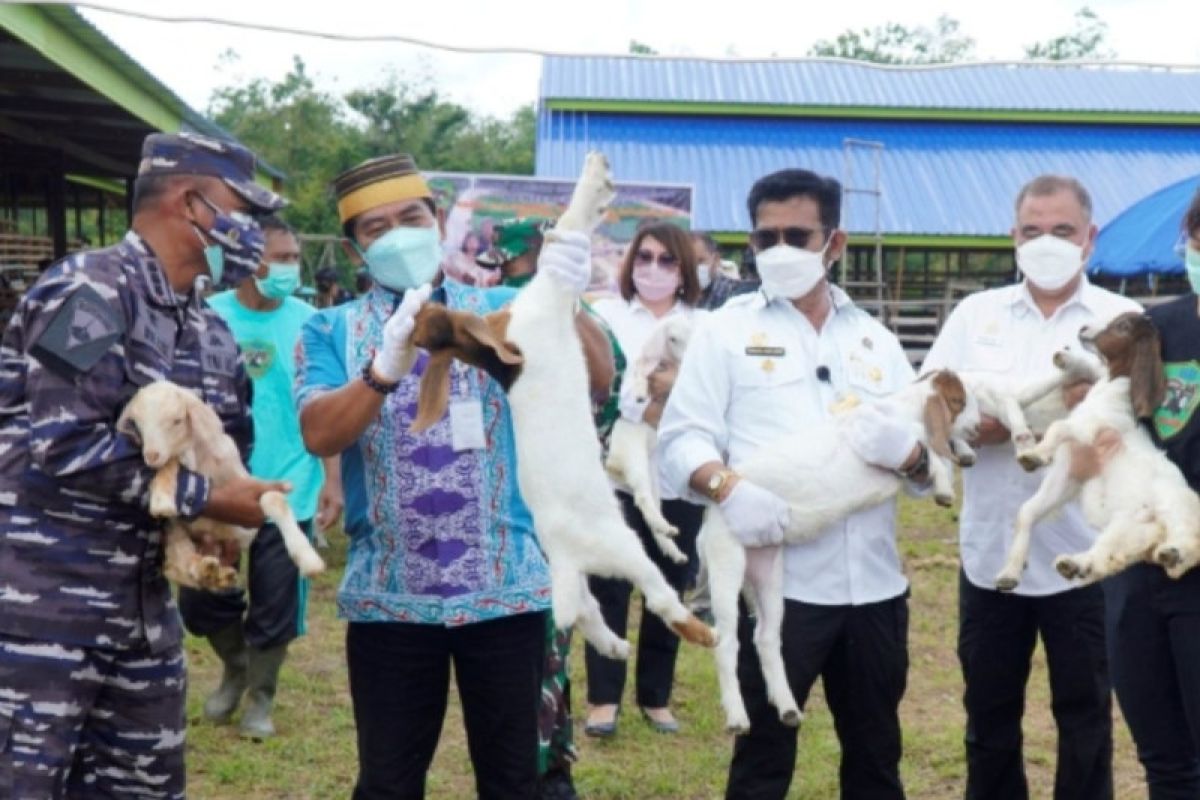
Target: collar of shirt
<point>1022,299</point>
<point>636,306</point>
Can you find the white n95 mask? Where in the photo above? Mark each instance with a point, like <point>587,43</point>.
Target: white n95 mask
<point>790,272</point>
<point>1049,262</point>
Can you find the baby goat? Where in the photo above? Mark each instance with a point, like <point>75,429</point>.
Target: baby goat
<point>175,427</point>
<point>631,445</point>
<point>533,350</point>
<point>824,481</point>
<point>1138,499</point>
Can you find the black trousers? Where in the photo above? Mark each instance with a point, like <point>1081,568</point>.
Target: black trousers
<point>272,611</point>
<point>399,680</point>
<point>657,645</point>
<point>996,638</point>
<point>861,655</point>
<point>1153,625</point>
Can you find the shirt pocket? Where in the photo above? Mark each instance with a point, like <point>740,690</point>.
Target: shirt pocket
<point>150,347</point>
<point>758,373</point>
<point>869,377</point>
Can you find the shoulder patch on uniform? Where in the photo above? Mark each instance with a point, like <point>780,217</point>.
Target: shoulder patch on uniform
<point>81,332</point>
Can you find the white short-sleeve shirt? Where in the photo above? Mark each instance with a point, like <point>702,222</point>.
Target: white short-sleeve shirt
<point>755,371</point>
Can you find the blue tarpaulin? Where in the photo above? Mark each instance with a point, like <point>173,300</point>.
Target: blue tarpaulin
<point>1144,237</point>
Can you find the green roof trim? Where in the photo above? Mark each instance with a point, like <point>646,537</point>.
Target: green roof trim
<point>899,240</point>
<point>866,112</point>
<point>89,63</point>
<point>106,185</point>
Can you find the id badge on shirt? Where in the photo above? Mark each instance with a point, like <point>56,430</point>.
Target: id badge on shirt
<point>466,425</point>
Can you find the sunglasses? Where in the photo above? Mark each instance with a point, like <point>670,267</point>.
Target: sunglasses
<point>793,236</point>
<point>664,260</point>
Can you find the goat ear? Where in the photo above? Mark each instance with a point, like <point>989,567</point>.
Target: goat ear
<point>126,424</point>
<point>434,395</point>
<point>938,420</point>
<point>205,424</point>
<point>1147,383</point>
<point>489,332</point>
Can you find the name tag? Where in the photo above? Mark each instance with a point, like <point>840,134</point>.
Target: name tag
<point>466,425</point>
<point>775,352</point>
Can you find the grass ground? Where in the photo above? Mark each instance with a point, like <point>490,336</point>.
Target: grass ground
<point>314,755</point>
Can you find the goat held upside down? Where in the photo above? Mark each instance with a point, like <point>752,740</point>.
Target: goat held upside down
<point>823,481</point>
<point>1137,498</point>
<point>533,350</point>
<point>176,428</point>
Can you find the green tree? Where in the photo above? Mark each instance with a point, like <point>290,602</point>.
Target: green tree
<point>641,48</point>
<point>1087,40</point>
<point>893,43</point>
<point>313,135</point>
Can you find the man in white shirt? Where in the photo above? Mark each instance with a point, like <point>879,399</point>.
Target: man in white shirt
<point>764,366</point>
<point>1014,331</point>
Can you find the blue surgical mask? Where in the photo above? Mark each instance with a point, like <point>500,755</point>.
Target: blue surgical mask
<point>1191,262</point>
<point>404,258</point>
<point>281,281</point>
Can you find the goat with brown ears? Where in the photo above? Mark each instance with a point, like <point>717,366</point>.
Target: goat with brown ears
<point>534,351</point>
<point>1128,489</point>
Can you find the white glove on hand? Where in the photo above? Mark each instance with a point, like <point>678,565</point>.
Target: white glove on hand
<point>757,517</point>
<point>879,439</point>
<point>396,355</point>
<point>567,255</point>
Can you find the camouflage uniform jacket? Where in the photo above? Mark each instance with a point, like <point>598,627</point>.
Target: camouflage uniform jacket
<point>80,557</point>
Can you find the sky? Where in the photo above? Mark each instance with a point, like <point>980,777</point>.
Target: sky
<point>187,57</point>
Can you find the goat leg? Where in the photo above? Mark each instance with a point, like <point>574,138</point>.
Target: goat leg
<point>1123,542</point>
<point>276,509</point>
<point>1057,488</point>
<point>764,573</point>
<point>162,490</point>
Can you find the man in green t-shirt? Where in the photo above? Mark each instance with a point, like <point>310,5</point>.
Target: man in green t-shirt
<point>251,635</point>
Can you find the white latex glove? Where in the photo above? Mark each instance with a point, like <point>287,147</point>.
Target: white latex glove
<point>756,516</point>
<point>567,255</point>
<point>396,354</point>
<point>879,439</point>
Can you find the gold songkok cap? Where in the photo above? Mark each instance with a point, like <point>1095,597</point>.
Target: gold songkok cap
<point>376,182</point>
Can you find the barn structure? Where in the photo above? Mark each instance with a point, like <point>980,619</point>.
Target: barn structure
<point>931,157</point>
<point>74,109</point>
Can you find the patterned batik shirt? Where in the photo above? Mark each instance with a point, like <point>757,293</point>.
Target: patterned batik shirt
<point>437,535</point>
<point>80,556</point>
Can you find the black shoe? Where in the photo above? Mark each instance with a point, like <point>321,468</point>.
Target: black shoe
<point>556,785</point>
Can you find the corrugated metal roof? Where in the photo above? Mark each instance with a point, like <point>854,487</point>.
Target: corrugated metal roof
<point>825,82</point>
<point>938,178</point>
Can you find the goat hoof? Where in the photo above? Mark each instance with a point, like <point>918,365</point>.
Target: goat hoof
<point>738,727</point>
<point>1061,359</point>
<point>695,631</point>
<point>944,500</point>
<point>310,564</point>
<point>1030,462</point>
<point>791,717</point>
<point>1069,568</point>
<point>162,505</point>
<point>619,649</point>
<point>966,461</point>
<point>1167,556</point>
<point>1006,583</point>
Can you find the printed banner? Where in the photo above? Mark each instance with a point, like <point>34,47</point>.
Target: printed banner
<point>476,204</point>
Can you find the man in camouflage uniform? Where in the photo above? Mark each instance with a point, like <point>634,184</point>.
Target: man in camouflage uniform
<point>91,668</point>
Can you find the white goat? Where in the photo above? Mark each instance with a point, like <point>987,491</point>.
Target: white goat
<point>176,428</point>
<point>631,444</point>
<point>534,351</point>
<point>823,480</point>
<point>1138,500</point>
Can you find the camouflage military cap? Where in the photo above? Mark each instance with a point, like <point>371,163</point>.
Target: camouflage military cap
<point>193,154</point>
<point>514,239</point>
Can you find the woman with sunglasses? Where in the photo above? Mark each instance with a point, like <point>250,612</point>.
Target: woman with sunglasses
<point>657,280</point>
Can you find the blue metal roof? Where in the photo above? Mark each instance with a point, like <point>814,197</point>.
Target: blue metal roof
<point>939,178</point>
<point>1145,237</point>
<point>1029,86</point>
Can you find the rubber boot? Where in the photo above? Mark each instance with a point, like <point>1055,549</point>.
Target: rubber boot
<point>263,677</point>
<point>230,646</point>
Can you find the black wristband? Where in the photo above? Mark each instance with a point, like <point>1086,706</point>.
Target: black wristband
<point>918,472</point>
<point>370,380</point>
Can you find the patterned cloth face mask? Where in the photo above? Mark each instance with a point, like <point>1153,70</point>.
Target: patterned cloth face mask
<point>238,248</point>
